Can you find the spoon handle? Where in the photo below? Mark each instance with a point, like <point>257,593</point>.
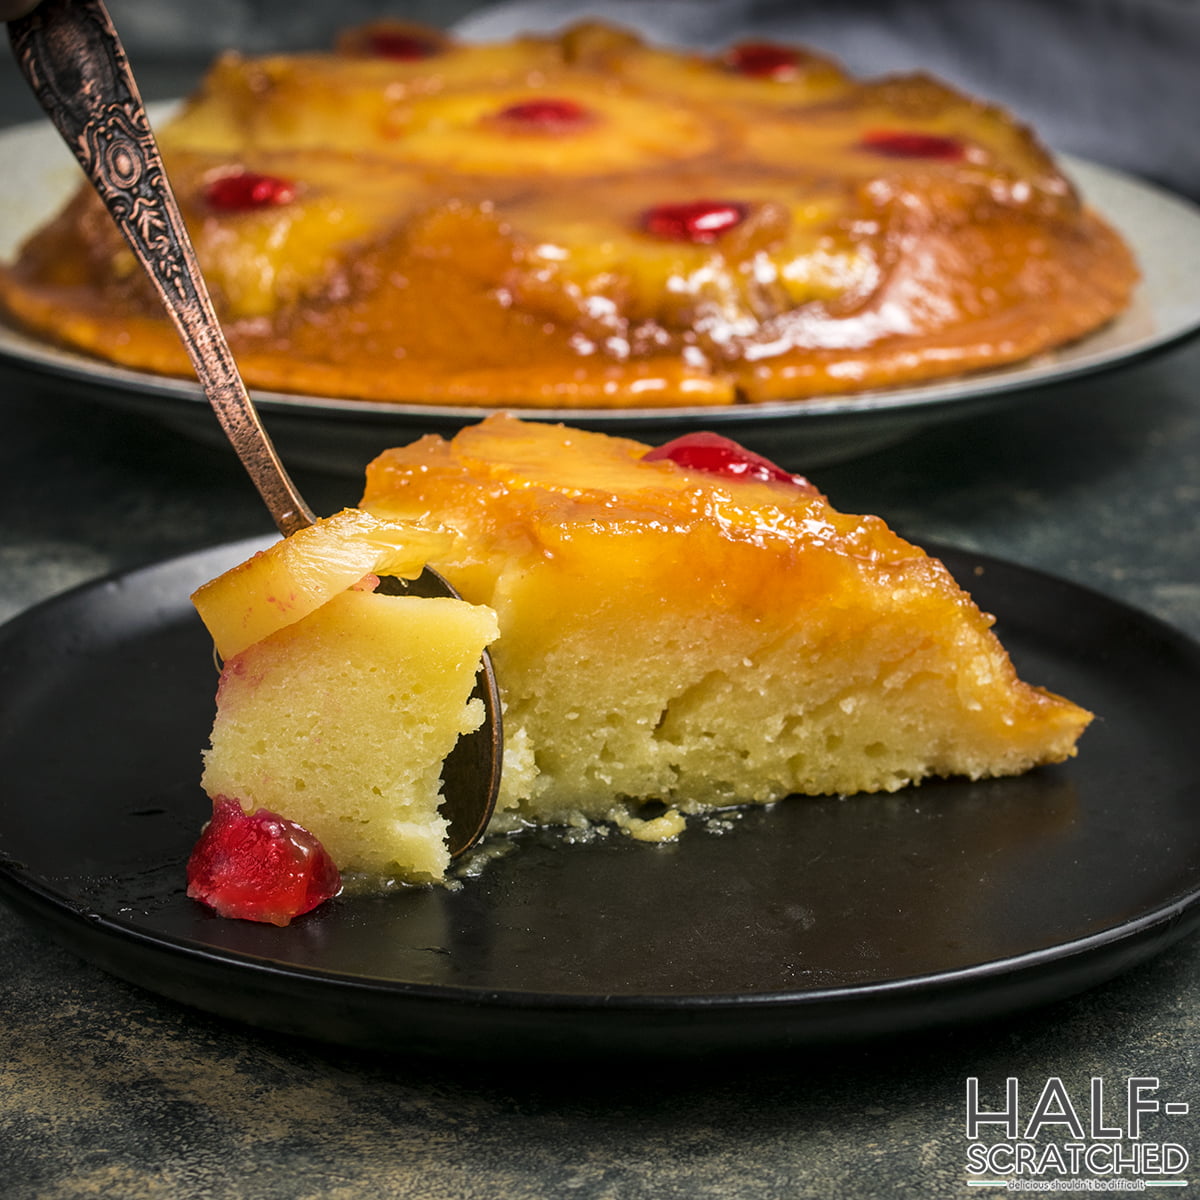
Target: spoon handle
<point>71,55</point>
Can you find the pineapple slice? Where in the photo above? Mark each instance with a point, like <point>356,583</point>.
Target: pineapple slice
<point>556,127</point>
<point>354,99</point>
<point>719,82</point>
<point>262,258</point>
<point>971,145</point>
<point>257,257</point>
<point>286,103</point>
<point>294,577</point>
<point>601,269</point>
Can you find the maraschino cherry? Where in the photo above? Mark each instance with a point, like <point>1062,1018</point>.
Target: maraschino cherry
<point>259,866</point>
<point>400,46</point>
<point>717,455</point>
<point>764,60</point>
<point>243,191</point>
<point>906,143</point>
<point>546,114</point>
<point>700,221</point>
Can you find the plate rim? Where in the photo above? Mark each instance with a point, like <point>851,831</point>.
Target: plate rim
<point>1169,916</point>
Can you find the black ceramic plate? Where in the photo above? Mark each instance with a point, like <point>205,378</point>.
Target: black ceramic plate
<point>809,922</point>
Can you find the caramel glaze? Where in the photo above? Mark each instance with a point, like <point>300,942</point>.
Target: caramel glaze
<point>439,251</point>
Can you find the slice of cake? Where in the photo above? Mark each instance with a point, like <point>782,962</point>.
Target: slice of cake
<point>338,704</point>
<point>687,624</point>
<point>695,626</point>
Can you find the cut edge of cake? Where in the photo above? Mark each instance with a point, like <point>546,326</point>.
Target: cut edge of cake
<point>337,704</point>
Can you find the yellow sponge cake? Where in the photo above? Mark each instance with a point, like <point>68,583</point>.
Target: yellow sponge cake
<point>693,625</point>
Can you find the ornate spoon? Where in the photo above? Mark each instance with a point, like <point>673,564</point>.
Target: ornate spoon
<point>71,55</point>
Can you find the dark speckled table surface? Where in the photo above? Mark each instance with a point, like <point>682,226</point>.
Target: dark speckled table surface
<point>108,1090</point>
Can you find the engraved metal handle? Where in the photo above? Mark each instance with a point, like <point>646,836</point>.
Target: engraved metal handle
<point>71,55</point>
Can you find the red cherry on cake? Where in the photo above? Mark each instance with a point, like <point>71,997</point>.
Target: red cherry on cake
<point>244,191</point>
<point>550,114</point>
<point>694,221</point>
<point>400,46</point>
<point>764,60</point>
<point>717,455</point>
<point>259,866</point>
<point>902,143</point>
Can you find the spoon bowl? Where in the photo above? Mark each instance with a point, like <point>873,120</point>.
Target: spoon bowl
<point>70,53</point>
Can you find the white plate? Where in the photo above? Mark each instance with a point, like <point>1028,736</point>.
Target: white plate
<point>1162,229</point>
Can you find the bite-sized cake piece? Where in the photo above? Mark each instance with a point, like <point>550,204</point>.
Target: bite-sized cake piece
<point>338,704</point>
<point>297,575</point>
<point>603,223</point>
<point>694,625</point>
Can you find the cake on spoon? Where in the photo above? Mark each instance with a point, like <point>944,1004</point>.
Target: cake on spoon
<point>338,704</point>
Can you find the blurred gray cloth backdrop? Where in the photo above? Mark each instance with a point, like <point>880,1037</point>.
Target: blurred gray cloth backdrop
<point>1117,81</point>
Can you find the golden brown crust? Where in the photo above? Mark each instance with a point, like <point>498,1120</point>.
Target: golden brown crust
<point>440,250</point>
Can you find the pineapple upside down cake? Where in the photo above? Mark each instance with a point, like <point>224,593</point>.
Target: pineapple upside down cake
<point>688,624</point>
<point>586,220</point>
